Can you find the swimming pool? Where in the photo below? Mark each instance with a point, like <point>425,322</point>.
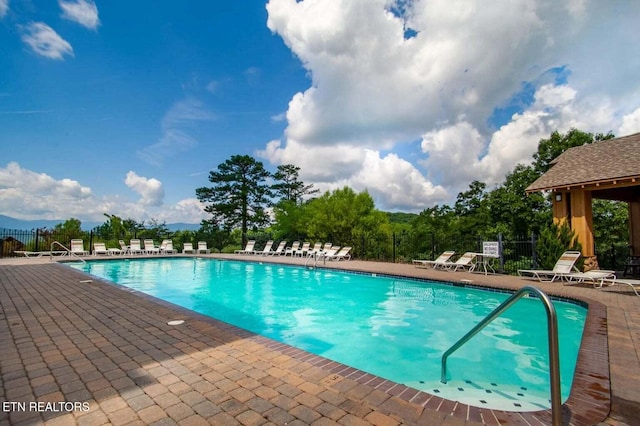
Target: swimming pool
<point>391,327</point>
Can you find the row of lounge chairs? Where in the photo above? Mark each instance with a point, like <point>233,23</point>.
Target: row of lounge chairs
<point>326,251</point>
<point>564,270</point>
<point>466,262</point>
<point>134,247</point>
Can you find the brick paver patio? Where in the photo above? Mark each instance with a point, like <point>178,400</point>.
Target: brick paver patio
<point>92,353</point>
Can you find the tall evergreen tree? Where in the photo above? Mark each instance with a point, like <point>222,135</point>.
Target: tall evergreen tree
<point>239,195</point>
<point>288,186</point>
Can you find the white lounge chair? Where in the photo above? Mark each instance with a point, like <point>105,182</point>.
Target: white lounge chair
<point>266,250</point>
<point>202,248</point>
<point>594,276</point>
<point>465,262</point>
<point>188,248</point>
<point>166,247</point>
<point>634,284</point>
<point>124,247</point>
<point>302,250</point>
<point>100,248</point>
<point>342,254</point>
<point>134,247</point>
<point>150,247</point>
<point>317,248</point>
<point>248,249</point>
<point>328,254</point>
<point>441,262</point>
<point>77,248</point>
<point>563,267</point>
<point>279,250</point>
<point>291,250</point>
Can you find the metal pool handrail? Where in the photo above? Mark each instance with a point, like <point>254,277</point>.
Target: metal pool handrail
<point>67,250</point>
<point>554,357</point>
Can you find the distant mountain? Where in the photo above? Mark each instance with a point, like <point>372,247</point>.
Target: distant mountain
<point>183,226</point>
<point>12,223</point>
<point>8,222</point>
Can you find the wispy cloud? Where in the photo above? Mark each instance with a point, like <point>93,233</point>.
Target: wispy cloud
<point>4,7</point>
<point>84,12</point>
<point>175,136</point>
<point>33,111</point>
<point>44,41</point>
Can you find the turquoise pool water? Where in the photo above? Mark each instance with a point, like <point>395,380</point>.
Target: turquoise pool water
<point>391,327</point>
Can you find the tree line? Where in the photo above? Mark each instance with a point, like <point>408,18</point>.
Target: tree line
<point>243,192</point>
<point>245,199</point>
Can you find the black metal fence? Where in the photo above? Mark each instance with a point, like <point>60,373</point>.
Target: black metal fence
<point>399,247</point>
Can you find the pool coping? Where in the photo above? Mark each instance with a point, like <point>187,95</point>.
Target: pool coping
<point>589,401</point>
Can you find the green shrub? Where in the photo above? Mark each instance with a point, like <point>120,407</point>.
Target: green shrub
<point>553,241</point>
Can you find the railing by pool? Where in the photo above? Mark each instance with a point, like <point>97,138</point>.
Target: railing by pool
<point>554,355</point>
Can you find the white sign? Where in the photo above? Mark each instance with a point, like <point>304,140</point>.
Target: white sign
<point>491,248</point>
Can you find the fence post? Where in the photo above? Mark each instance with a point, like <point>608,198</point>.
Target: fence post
<point>433,245</point>
<point>534,255</point>
<point>37,238</point>
<point>501,270</point>
<point>90,241</point>
<point>394,246</point>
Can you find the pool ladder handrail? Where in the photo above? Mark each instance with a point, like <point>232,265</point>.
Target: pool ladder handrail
<point>554,357</point>
<point>69,252</point>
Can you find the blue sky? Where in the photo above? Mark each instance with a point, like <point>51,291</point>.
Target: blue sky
<point>124,107</point>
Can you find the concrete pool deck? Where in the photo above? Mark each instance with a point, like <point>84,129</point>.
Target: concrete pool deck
<point>66,339</point>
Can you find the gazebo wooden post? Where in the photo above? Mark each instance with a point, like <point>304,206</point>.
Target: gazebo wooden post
<point>575,206</point>
<point>582,221</point>
<point>634,227</point>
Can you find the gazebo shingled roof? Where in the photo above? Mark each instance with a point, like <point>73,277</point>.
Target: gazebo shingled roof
<point>601,162</point>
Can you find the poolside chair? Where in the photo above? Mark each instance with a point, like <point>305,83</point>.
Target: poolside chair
<point>166,247</point>
<point>100,248</point>
<point>123,246</point>
<point>442,261</point>
<point>291,250</point>
<point>202,248</point>
<point>328,254</point>
<point>188,248</point>
<point>327,246</point>
<point>150,247</point>
<point>303,250</point>
<point>342,254</point>
<point>279,250</point>
<point>634,284</point>
<point>563,267</point>
<point>266,250</point>
<point>465,262</point>
<point>594,276</point>
<point>248,249</point>
<point>77,248</point>
<point>134,247</point>
<point>317,248</point>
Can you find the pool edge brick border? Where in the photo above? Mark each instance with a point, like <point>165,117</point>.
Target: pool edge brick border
<point>65,339</point>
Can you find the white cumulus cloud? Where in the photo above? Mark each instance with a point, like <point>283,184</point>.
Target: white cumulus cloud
<point>374,88</point>
<point>44,41</point>
<point>27,193</point>
<point>151,190</point>
<point>84,12</point>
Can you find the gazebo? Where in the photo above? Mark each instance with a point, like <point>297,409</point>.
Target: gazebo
<point>608,169</point>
